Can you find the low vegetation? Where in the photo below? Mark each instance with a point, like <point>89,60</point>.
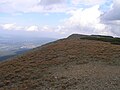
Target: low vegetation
<point>67,64</point>
<point>110,39</point>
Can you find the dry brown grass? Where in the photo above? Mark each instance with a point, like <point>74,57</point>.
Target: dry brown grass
<point>68,64</point>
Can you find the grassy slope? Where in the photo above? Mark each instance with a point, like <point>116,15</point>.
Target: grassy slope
<point>110,39</point>
<point>68,64</point>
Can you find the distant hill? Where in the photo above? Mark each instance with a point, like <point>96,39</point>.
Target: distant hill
<point>79,62</point>
<point>5,57</point>
<point>112,40</point>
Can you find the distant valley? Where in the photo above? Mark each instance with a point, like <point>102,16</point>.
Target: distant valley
<point>13,45</point>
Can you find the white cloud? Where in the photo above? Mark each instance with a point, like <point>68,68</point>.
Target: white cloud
<point>86,21</point>
<point>14,27</point>
<point>85,16</point>
<point>47,28</point>
<point>111,18</point>
<point>51,2</point>
<point>57,29</point>
<point>10,26</point>
<point>61,30</point>
<point>32,28</point>
<point>88,2</point>
<point>113,26</point>
<point>15,6</point>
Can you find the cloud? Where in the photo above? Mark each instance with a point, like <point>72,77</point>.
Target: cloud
<point>88,2</point>
<point>15,27</point>
<point>50,6</point>
<point>32,28</point>
<point>86,21</point>
<point>113,26</point>
<point>52,2</point>
<point>114,12</point>
<point>11,6</point>
<point>10,26</point>
<point>85,16</point>
<point>25,6</point>
<point>58,30</point>
<point>111,18</point>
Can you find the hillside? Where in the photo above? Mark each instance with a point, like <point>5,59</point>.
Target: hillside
<point>73,63</point>
<point>110,39</point>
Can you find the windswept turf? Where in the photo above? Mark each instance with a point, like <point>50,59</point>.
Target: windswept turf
<point>67,64</point>
<point>112,40</point>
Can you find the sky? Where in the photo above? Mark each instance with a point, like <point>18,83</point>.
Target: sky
<point>60,18</point>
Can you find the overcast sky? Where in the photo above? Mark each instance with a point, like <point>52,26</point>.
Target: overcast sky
<point>60,18</point>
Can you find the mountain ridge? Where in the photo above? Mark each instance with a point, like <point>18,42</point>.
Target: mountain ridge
<point>66,64</point>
